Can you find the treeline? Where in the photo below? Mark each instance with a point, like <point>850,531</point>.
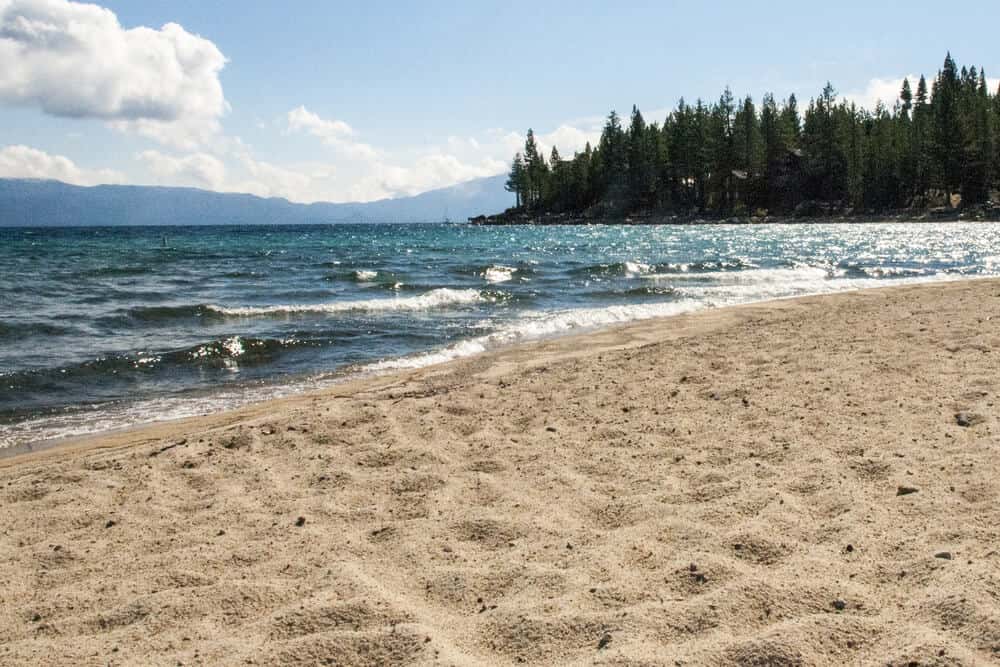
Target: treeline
<point>937,145</point>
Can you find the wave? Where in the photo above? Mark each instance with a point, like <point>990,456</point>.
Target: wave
<point>619,269</point>
<point>116,271</point>
<point>705,266</point>
<point>729,288</point>
<point>857,271</point>
<point>29,329</point>
<point>242,274</point>
<point>635,268</point>
<point>533,326</point>
<point>363,277</point>
<point>218,353</point>
<point>438,298</point>
<point>752,276</point>
<point>153,314</point>
<point>498,274</point>
<point>637,292</point>
<point>495,272</point>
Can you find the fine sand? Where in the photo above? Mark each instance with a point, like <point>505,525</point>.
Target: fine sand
<point>805,482</point>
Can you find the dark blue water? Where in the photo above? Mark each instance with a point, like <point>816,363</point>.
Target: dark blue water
<point>105,327</point>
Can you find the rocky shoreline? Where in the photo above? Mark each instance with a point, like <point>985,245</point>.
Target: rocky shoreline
<point>818,215</point>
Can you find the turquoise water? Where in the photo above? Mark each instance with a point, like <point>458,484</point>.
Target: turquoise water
<point>106,327</point>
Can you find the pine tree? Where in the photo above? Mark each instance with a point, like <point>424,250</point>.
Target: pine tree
<point>749,155</point>
<point>791,122</point>
<point>826,160</point>
<point>903,139</point>
<point>996,139</point>
<point>517,180</point>
<point>555,194</point>
<point>977,175</point>
<point>773,150</point>
<point>859,161</point>
<point>613,160</point>
<point>722,154</point>
<point>536,169</point>
<point>641,179</point>
<point>906,98</point>
<point>947,135</point>
<point>921,142</point>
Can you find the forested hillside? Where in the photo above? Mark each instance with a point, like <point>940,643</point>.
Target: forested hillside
<point>936,146</point>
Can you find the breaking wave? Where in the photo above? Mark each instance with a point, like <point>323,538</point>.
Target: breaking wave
<point>438,298</point>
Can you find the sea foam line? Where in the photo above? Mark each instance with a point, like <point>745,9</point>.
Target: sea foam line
<point>764,285</point>
<point>533,326</point>
<point>437,298</point>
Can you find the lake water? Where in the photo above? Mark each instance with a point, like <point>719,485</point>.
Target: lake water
<point>106,327</point>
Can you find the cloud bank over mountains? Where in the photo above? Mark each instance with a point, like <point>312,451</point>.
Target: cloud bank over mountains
<point>26,162</point>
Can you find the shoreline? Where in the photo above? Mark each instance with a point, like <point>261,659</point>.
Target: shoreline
<point>364,374</point>
<point>812,480</point>
<point>903,217</point>
<point>358,381</point>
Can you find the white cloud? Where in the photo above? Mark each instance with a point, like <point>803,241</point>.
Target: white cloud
<point>887,91</point>
<point>356,171</point>
<point>568,139</point>
<point>25,162</point>
<point>335,133</point>
<point>884,90</point>
<point>301,118</point>
<point>269,180</point>
<point>361,172</point>
<point>75,60</point>
<point>197,170</point>
<point>430,171</point>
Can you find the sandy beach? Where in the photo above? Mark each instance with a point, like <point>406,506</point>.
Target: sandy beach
<point>803,482</point>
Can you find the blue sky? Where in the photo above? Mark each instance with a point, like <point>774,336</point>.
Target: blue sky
<point>357,101</point>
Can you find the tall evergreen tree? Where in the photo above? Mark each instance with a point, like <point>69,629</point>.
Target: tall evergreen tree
<point>826,159</point>
<point>947,136</point>
<point>641,171</point>
<point>791,121</point>
<point>613,152</point>
<point>906,99</point>
<point>977,176</point>
<point>517,179</point>
<point>537,170</point>
<point>722,153</point>
<point>749,155</point>
<point>922,143</point>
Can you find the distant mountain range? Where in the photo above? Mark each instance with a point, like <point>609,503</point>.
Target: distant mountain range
<point>43,203</point>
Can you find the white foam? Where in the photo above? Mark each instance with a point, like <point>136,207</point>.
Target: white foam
<point>363,275</point>
<point>499,274</point>
<point>752,289</point>
<point>637,268</point>
<point>716,289</point>
<point>534,326</point>
<point>753,276</point>
<point>437,298</point>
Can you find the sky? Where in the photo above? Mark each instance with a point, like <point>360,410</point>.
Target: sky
<point>349,101</point>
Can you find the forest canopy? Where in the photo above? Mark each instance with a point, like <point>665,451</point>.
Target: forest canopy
<point>937,145</point>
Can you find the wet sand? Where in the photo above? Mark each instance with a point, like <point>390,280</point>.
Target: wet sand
<point>803,482</point>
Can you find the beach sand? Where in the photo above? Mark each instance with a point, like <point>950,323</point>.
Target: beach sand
<point>778,484</point>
